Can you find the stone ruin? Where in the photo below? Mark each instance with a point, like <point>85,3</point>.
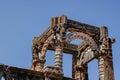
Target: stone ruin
<point>57,37</point>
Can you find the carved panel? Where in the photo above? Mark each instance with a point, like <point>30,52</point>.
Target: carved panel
<point>86,56</point>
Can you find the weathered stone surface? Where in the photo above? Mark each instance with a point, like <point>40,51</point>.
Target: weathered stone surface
<point>58,37</point>
<point>95,45</point>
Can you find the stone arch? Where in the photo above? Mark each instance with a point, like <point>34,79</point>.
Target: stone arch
<point>83,36</point>
<point>44,48</point>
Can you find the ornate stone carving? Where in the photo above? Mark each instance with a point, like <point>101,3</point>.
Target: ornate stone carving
<point>105,59</point>
<point>85,57</point>
<point>83,36</point>
<point>96,45</point>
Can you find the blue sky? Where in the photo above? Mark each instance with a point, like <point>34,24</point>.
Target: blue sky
<point>22,20</point>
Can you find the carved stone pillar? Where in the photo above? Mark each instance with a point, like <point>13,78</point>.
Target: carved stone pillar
<point>74,64</point>
<point>39,65</point>
<point>34,55</point>
<point>105,60</point>
<point>82,73</point>
<point>58,57</point>
<point>106,71</point>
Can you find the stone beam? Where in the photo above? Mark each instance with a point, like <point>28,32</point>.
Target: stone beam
<point>75,26</point>
<point>71,48</point>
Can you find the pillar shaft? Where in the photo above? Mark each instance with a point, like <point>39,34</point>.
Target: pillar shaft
<point>106,67</point>
<point>74,64</point>
<point>79,72</point>
<point>58,57</point>
<point>82,73</point>
<point>105,60</point>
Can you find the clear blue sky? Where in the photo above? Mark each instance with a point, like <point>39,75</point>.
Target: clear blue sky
<point>22,20</point>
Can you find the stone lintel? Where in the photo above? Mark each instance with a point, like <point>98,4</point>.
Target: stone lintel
<point>75,26</point>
